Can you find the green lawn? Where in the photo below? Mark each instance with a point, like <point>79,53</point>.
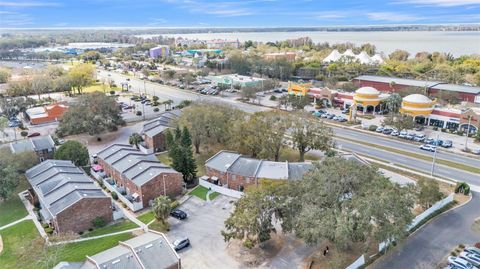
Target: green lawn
<point>158,226</point>
<point>113,228</point>
<point>147,217</point>
<point>76,252</point>
<point>12,210</point>
<point>15,239</point>
<point>98,87</point>
<point>201,192</point>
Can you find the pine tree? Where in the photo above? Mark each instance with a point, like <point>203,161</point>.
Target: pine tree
<point>180,152</point>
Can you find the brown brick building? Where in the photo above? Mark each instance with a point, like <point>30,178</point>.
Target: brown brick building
<point>153,132</point>
<point>140,176</point>
<point>67,196</point>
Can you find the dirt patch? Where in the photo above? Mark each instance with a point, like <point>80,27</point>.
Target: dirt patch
<point>461,199</point>
<point>258,255</point>
<point>336,258</point>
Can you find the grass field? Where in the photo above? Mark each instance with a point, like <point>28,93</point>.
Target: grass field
<point>12,210</point>
<point>201,192</point>
<point>15,239</point>
<point>158,226</point>
<point>147,217</point>
<point>116,227</point>
<point>98,87</point>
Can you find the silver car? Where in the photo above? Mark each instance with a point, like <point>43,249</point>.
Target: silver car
<point>460,263</point>
<point>181,243</point>
<point>470,257</point>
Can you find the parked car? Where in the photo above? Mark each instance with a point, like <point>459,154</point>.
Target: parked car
<point>345,111</point>
<point>34,134</point>
<point>473,250</point>
<point>460,263</point>
<point>330,116</point>
<point>260,94</point>
<point>403,134</point>
<point>419,137</point>
<point>428,147</point>
<point>438,142</point>
<point>277,90</point>
<point>342,119</point>
<point>317,113</point>
<point>470,257</point>
<point>410,136</point>
<point>181,243</point>
<point>447,144</point>
<point>178,214</point>
<point>379,129</point>
<point>335,118</point>
<point>429,141</point>
<point>387,131</point>
<point>325,115</point>
<point>394,133</point>
<point>476,151</point>
<point>419,128</point>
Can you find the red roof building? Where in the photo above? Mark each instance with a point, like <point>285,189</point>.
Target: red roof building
<point>46,114</point>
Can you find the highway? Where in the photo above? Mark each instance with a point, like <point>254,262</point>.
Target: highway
<point>165,92</point>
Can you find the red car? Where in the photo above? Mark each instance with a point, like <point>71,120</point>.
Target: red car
<point>33,134</point>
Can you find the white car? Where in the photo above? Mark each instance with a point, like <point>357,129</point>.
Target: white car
<point>460,263</point>
<point>470,257</point>
<point>428,147</point>
<point>394,133</point>
<point>473,250</point>
<point>403,134</point>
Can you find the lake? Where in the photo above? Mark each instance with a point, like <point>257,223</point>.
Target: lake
<point>456,43</point>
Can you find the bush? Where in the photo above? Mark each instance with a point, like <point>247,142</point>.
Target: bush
<point>443,130</point>
<point>248,244</point>
<point>155,103</point>
<point>462,246</point>
<point>462,187</point>
<point>90,229</point>
<point>155,99</point>
<point>453,253</point>
<point>156,109</point>
<point>138,113</point>
<point>372,128</point>
<point>80,233</point>
<point>98,222</point>
<point>435,128</point>
<point>24,133</point>
<point>273,98</point>
<point>174,204</point>
<point>460,132</point>
<point>49,230</point>
<point>112,92</point>
<point>114,196</point>
<point>45,225</point>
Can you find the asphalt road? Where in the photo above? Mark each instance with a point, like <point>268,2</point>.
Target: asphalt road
<point>429,245</point>
<point>410,162</point>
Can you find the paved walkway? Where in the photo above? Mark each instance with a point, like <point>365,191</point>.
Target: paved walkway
<point>32,215</point>
<point>95,237</point>
<point>16,222</point>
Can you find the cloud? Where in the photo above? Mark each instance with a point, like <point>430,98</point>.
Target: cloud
<point>392,17</point>
<point>220,9</point>
<point>440,3</point>
<point>20,4</point>
<point>14,19</point>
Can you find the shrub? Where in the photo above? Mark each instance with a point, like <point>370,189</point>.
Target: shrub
<point>462,246</point>
<point>273,98</point>
<point>435,128</point>
<point>155,99</point>
<point>45,225</point>
<point>155,103</point>
<point>372,127</point>
<point>49,230</point>
<point>90,229</point>
<point>460,132</point>
<point>24,133</point>
<point>114,196</point>
<point>462,187</point>
<point>156,109</point>
<point>80,233</point>
<point>112,92</point>
<point>453,253</point>
<point>248,244</point>
<point>124,206</point>
<point>138,113</point>
<point>174,204</point>
<point>98,222</point>
<point>443,130</point>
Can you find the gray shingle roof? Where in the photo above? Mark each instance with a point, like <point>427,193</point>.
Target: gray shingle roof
<point>152,250</point>
<point>245,167</point>
<point>161,123</point>
<point>21,146</point>
<point>222,160</point>
<point>135,165</point>
<point>422,83</point>
<point>60,184</point>
<point>38,143</point>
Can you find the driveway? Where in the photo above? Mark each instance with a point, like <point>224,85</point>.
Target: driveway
<point>429,245</point>
<point>205,221</point>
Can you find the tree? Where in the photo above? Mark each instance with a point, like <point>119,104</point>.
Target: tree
<point>345,202</point>
<point>399,121</point>
<point>180,152</point>
<point>399,55</point>
<point>91,56</point>
<point>168,104</point>
<point>8,181</point>
<point>161,208</point>
<point>394,102</point>
<point>298,102</point>
<point>73,151</point>
<point>40,85</point>
<point>3,125</point>
<point>81,75</point>
<point>135,139</point>
<point>169,74</point>
<point>428,192</point>
<point>279,124</point>
<point>4,75</point>
<point>93,113</point>
<point>310,134</point>
<point>248,93</point>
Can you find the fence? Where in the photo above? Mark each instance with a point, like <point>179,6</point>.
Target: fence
<point>438,205</point>
<point>135,206</point>
<point>222,190</point>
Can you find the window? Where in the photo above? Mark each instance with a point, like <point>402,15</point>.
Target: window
<point>234,177</point>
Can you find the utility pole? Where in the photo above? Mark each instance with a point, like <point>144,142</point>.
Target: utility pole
<point>164,186</point>
<point>145,87</point>
<point>468,132</point>
<point>434,158</point>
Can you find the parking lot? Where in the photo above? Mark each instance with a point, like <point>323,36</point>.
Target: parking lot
<point>203,226</point>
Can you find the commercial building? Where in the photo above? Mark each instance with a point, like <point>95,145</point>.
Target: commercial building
<point>159,52</point>
<point>137,176</point>
<point>46,114</point>
<point>235,79</point>
<point>153,132</point>
<point>43,146</point>
<point>150,250</point>
<point>234,171</point>
<point>432,88</point>
<point>68,198</point>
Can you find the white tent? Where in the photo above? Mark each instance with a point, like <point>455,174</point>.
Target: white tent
<point>333,57</point>
<point>364,58</point>
<point>349,53</point>
<point>377,59</point>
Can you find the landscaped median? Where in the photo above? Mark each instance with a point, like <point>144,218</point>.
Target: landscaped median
<point>415,155</point>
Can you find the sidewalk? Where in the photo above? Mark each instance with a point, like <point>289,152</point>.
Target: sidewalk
<point>15,222</point>
<point>32,215</point>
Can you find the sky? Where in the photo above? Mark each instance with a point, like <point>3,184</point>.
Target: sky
<point>233,13</point>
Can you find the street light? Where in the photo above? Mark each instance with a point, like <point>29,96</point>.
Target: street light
<point>434,158</point>
<point>164,187</point>
<point>468,131</point>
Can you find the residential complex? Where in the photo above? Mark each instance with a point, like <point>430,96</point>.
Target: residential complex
<point>138,176</point>
<point>159,52</point>
<point>153,132</point>
<point>43,146</point>
<point>66,196</point>
<point>151,250</point>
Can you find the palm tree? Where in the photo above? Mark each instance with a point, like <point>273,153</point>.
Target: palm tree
<point>168,104</point>
<point>161,208</point>
<point>135,139</point>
